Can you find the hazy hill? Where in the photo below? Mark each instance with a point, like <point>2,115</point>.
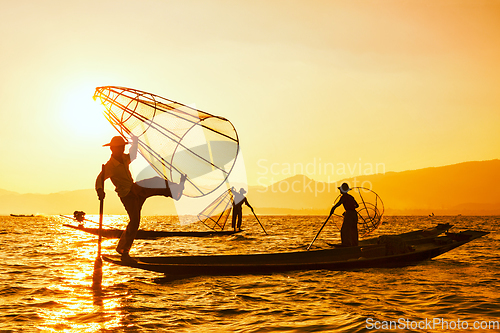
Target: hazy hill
<point>67,202</point>
<point>470,188</point>
<point>5,192</point>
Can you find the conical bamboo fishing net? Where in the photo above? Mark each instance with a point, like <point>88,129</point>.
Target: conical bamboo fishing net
<point>217,213</point>
<point>174,138</point>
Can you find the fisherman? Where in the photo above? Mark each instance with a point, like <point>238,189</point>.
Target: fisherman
<point>349,230</point>
<point>238,200</point>
<point>132,194</point>
<point>79,216</point>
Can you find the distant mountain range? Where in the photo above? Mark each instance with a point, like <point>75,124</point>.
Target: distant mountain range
<point>469,188</point>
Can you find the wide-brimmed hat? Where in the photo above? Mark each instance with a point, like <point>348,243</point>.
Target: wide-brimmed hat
<point>344,188</point>
<point>116,141</point>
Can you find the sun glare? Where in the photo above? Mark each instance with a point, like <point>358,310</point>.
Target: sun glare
<point>81,114</point>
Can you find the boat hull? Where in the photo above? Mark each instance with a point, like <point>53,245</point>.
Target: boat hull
<point>366,256</point>
<point>152,234</point>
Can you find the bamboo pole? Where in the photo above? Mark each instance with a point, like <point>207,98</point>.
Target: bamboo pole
<point>97,277</point>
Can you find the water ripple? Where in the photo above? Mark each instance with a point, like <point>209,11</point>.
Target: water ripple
<point>45,282</point>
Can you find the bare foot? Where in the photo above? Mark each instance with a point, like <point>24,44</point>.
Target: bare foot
<point>127,258</point>
<point>177,189</point>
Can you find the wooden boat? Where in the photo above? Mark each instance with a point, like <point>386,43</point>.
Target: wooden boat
<point>152,234</point>
<point>415,236</point>
<point>386,253</point>
<point>22,215</point>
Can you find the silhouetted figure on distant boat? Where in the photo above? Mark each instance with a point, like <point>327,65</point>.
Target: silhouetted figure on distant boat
<point>238,200</point>
<point>349,230</point>
<point>132,194</point>
<point>79,216</point>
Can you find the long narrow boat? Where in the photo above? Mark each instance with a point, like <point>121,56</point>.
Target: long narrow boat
<point>388,253</point>
<point>152,234</point>
<point>412,237</point>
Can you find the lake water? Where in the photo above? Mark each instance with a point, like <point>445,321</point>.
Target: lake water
<point>46,276</point>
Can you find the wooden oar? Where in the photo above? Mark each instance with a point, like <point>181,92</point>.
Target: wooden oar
<point>319,231</point>
<point>259,221</point>
<point>97,277</point>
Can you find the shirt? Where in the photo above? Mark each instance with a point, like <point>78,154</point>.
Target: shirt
<point>349,202</point>
<point>120,175</point>
<point>239,200</point>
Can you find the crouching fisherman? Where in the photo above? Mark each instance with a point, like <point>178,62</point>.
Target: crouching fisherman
<point>349,230</point>
<point>132,194</point>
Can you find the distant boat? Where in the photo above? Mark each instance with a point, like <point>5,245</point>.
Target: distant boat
<point>385,251</point>
<point>22,215</point>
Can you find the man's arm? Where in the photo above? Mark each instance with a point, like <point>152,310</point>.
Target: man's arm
<point>335,206</point>
<point>99,182</point>
<point>133,149</point>
<point>246,202</point>
<point>98,186</point>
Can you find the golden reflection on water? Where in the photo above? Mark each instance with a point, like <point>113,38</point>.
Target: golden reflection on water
<point>82,315</point>
<point>80,309</point>
<point>334,299</point>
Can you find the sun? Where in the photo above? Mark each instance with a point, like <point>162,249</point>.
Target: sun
<point>80,114</point>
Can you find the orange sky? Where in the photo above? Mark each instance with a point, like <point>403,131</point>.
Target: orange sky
<point>402,84</point>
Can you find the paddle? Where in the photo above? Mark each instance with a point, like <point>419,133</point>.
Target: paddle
<point>259,221</point>
<point>97,277</point>
<point>319,231</point>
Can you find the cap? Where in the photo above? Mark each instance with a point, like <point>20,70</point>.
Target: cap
<point>344,188</point>
<point>116,141</point>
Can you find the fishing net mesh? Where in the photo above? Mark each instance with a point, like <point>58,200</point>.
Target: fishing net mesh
<point>370,211</point>
<point>217,213</point>
<point>174,138</point>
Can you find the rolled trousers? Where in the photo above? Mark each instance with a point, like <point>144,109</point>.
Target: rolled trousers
<point>349,230</point>
<point>237,217</point>
<point>133,202</point>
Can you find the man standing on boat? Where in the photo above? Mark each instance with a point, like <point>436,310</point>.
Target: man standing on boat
<point>349,230</point>
<point>238,200</point>
<point>132,195</point>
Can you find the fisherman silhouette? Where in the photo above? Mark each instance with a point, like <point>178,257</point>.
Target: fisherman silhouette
<point>349,230</point>
<point>238,200</point>
<point>132,194</point>
<point>79,216</point>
